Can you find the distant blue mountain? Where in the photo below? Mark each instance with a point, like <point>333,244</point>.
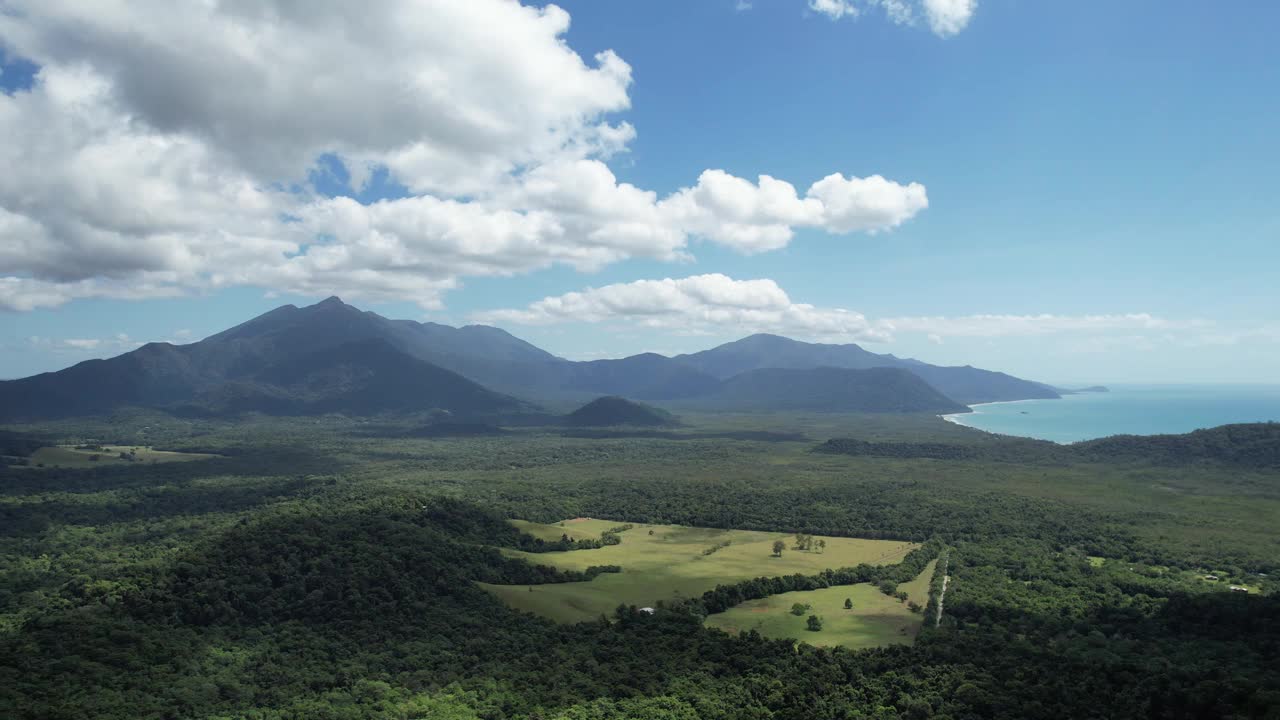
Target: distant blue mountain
<point>332,357</point>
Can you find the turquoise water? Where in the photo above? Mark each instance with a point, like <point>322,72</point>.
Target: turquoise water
<point>1127,410</point>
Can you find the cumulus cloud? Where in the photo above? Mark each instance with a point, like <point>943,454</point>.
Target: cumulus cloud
<point>165,147</point>
<point>718,303</point>
<point>948,17</point>
<point>82,344</point>
<point>450,92</point>
<point>762,216</point>
<point>695,304</point>
<point>834,9</point>
<point>1027,325</point>
<point>944,17</point>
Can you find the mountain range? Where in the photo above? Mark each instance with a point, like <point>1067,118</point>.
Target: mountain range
<point>333,357</point>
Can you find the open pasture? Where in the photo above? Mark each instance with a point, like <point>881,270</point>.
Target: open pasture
<point>667,562</point>
<point>74,458</point>
<point>875,620</point>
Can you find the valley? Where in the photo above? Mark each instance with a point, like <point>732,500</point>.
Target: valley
<point>324,529</point>
<point>583,360</point>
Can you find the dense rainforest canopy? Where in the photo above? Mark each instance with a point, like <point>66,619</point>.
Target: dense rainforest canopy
<point>321,571</point>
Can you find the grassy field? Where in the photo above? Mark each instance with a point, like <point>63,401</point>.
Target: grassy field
<point>70,457</point>
<point>663,562</point>
<point>875,620</point>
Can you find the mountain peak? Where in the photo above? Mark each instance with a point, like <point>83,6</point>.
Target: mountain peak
<point>766,337</point>
<point>331,301</point>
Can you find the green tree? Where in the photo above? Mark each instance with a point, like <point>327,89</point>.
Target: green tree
<point>848,603</point>
<point>778,547</point>
<point>814,623</point>
<point>799,609</point>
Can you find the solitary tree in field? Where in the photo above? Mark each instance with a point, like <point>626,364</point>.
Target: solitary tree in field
<point>799,609</point>
<point>822,546</point>
<point>813,623</point>
<point>778,547</point>
<point>848,603</point>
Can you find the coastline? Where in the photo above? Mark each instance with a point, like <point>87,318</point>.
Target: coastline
<point>1127,410</point>
<point>955,417</point>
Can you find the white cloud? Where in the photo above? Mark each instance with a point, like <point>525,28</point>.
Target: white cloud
<point>472,86</point>
<point>866,204</point>
<point>84,347</point>
<point>82,344</point>
<point>1030,325</point>
<point>944,17</point>
<point>722,305</point>
<point>834,9</point>
<point>948,17</point>
<point>693,304</point>
<point>753,218</point>
<point>162,147</point>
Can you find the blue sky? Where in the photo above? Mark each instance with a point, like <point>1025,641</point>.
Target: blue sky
<point>1100,179</point>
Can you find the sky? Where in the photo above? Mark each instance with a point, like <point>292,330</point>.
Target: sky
<point>1070,192</point>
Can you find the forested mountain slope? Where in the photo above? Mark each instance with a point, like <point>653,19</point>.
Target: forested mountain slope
<point>964,385</point>
<point>223,373</point>
<point>874,390</point>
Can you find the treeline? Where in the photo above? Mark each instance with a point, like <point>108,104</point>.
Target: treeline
<point>1248,444</point>
<point>1010,450</point>
<point>750,435</point>
<point>1056,633</point>
<point>298,581</point>
<point>319,593</point>
<point>268,572</point>
<point>937,587</point>
<point>367,608</point>
<point>1255,445</point>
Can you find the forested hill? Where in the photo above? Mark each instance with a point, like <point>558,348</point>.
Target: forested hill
<point>608,411</point>
<point>1252,445</point>
<point>1245,444</point>
<point>358,378</point>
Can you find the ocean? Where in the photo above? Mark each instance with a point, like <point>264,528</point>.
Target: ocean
<point>1127,410</point>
